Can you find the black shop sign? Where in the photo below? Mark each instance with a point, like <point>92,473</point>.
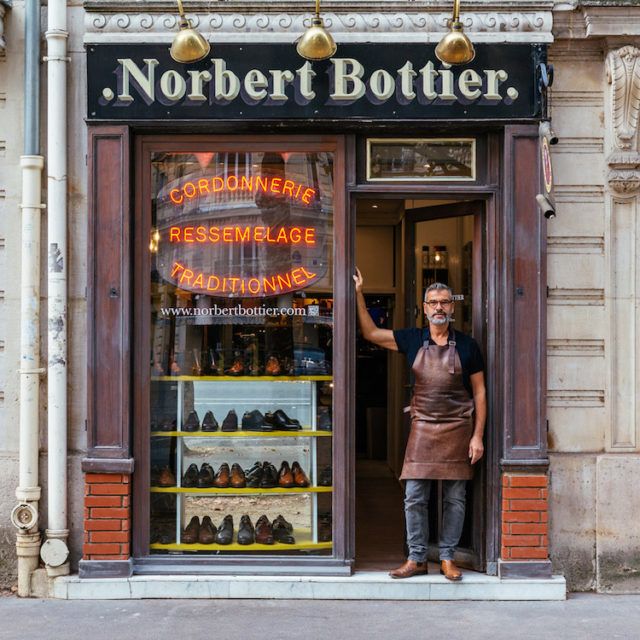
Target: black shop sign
<point>270,81</point>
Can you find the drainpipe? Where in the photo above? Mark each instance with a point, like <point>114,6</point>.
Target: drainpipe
<point>55,551</point>
<point>25,514</point>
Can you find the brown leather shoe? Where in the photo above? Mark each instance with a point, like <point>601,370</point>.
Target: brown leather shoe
<point>409,569</point>
<point>223,476</point>
<point>285,477</point>
<point>449,570</point>
<point>273,367</point>
<point>207,531</point>
<point>191,531</point>
<point>238,479</point>
<point>299,476</point>
<point>166,478</point>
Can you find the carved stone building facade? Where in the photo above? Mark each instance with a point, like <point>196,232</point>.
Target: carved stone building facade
<point>592,246</point>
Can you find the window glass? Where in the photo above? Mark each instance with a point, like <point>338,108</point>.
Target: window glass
<point>241,359</point>
<point>421,160</point>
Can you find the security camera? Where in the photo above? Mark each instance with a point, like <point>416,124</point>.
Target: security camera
<point>547,209</point>
<point>548,132</point>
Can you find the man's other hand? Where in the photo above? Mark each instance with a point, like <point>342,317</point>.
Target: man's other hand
<point>476,449</point>
<point>358,280</point>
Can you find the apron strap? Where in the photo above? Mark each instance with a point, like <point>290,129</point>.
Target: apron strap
<point>452,352</point>
<point>452,348</point>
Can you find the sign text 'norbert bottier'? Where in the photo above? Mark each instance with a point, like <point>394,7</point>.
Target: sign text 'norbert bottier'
<point>270,81</point>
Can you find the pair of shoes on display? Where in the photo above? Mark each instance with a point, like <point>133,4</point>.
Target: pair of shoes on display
<point>198,478</point>
<point>280,421</point>
<point>271,421</point>
<point>236,369</point>
<point>292,476</point>
<point>192,423</point>
<point>262,476</point>
<point>325,477</point>
<point>271,532</point>
<point>204,532</point>
<point>273,366</point>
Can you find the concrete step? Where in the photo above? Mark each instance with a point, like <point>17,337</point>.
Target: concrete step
<point>362,585</point>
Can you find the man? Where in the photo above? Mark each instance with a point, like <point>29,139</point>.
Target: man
<point>448,414</point>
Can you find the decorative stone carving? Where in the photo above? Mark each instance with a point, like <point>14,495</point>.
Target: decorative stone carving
<point>533,26</point>
<point>2,12</point>
<point>623,73</point>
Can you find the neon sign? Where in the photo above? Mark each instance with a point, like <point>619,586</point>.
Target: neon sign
<point>211,283</point>
<point>243,234</point>
<point>251,184</point>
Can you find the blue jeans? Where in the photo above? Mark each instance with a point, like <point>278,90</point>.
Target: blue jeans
<point>416,510</point>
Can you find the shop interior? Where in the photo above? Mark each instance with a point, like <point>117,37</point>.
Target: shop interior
<point>395,277</point>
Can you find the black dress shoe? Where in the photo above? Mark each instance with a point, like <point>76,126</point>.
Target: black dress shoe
<point>254,476</point>
<point>282,531</point>
<point>206,476</point>
<point>207,532</point>
<point>264,532</point>
<point>230,423</point>
<point>280,422</point>
<point>191,531</point>
<point>168,424</point>
<point>224,534</point>
<point>209,422</point>
<point>254,421</point>
<point>190,477</point>
<point>246,532</point>
<point>287,419</point>
<point>192,423</point>
<point>269,476</point>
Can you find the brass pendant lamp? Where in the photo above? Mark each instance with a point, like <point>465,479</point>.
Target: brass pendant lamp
<point>188,45</point>
<point>316,42</point>
<point>455,47</point>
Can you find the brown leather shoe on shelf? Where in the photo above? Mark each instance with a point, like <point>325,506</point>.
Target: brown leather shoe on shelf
<point>222,478</point>
<point>166,478</point>
<point>449,570</point>
<point>273,367</point>
<point>238,479</point>
<point>285,477</point>
<point>191,531</point>
<point>207,531</point>
<point>299,476</point>
<point>409,569</point>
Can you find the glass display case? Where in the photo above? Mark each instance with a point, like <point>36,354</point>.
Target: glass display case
<point>241,354</point>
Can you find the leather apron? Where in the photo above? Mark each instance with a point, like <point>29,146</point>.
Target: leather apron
<point>441,417</point>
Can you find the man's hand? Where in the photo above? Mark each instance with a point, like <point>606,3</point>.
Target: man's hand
<point>476,449</point>
<point>358,280</point>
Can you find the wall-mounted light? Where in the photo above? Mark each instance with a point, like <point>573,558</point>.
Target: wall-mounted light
<point>546,208</point>
<point>455,47</point>
<point>548,132</point>
<point>316,42</point>
<point>188,45</point>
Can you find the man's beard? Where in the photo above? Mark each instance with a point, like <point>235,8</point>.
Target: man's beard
<point>439,320</point>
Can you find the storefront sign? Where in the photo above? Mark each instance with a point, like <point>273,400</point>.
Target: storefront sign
<point>270,81</point>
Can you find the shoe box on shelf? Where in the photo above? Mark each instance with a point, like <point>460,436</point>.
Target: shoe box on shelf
<point>243,462</point>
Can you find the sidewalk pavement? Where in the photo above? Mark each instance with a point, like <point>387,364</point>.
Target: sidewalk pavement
<point>581,617</point>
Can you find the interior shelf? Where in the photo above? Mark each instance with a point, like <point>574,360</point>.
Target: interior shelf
<point>244,434</point>
<point>242,378</point>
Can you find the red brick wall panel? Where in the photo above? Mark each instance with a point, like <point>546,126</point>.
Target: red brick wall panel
<point>524,517</point>
<point>107,516</point>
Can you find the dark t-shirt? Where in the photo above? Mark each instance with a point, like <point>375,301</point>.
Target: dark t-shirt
<point>410,341</point>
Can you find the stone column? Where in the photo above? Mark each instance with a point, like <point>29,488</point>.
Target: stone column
<point>618,501</point>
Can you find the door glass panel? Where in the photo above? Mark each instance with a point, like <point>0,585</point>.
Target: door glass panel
<point>241,352</point>
<point>444,253</point>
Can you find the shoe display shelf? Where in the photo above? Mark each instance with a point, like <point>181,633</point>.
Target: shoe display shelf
<point>298,396</point>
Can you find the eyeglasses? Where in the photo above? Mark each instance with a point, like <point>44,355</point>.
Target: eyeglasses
<point>434,303</point>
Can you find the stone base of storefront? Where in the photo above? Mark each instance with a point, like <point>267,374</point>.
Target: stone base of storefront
<point>362,585</point>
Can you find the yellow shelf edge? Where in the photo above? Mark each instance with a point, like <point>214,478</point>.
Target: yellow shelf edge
<point>318,378</point>
<point>278,546</point>
<point>231,491</point>
<point>305,433</point>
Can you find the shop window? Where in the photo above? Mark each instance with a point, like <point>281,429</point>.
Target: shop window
<point>421,160</point>
<point>241,352</point>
